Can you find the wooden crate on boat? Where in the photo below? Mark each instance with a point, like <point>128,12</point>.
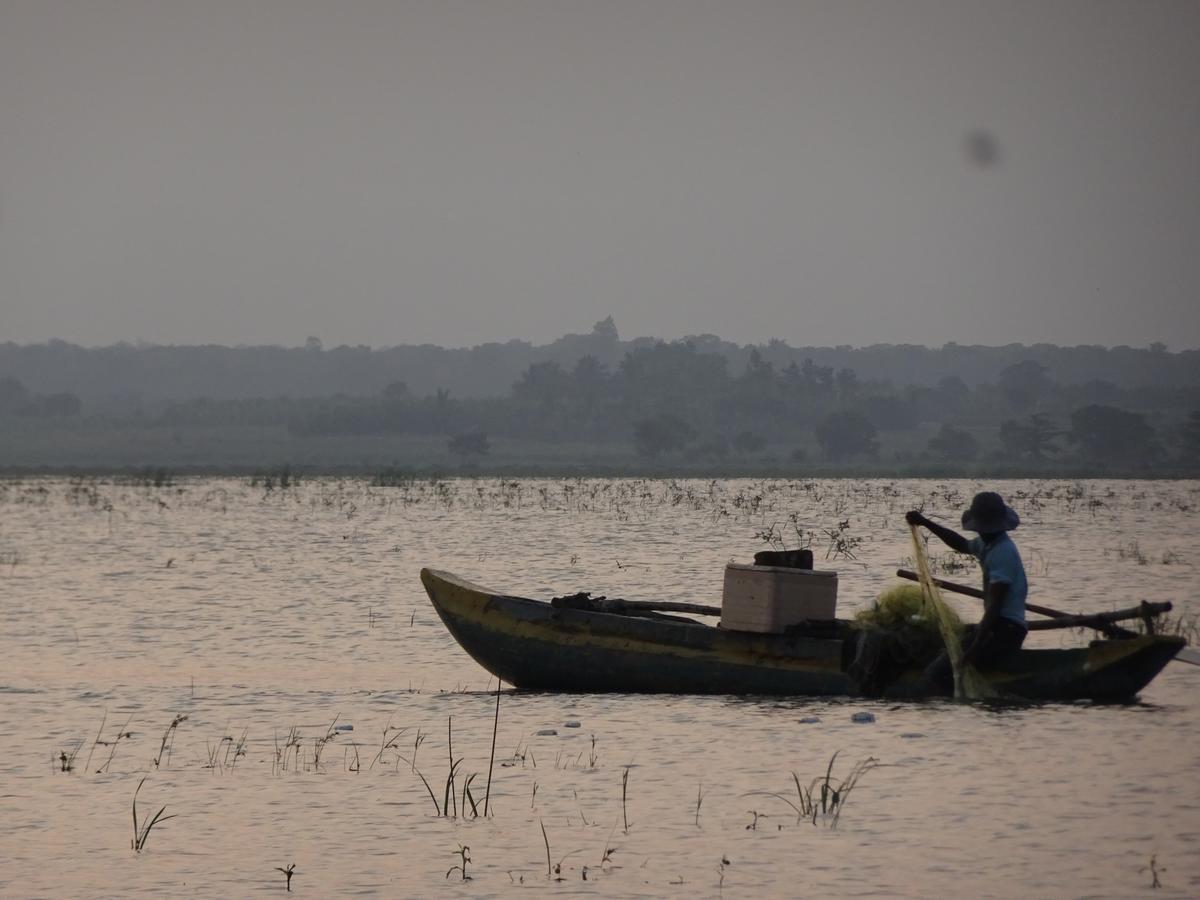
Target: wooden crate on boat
<point>769,598</point>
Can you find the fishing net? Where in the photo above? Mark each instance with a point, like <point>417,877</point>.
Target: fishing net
<point>901,608</point>
<point>968,683</point>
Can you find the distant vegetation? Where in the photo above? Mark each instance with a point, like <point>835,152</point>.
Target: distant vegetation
<point>696,404</point>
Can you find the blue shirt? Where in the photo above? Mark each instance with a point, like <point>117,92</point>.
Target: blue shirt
<point>1001,564</point>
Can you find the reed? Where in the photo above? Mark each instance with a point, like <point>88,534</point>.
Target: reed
<point>66,761</point>
<point>823,797</point>
<point>287,873</point>
<point>624,798</point>
<point>168,737</point>
<point>492,757</point>
<point>142,833</point>
<point>1153,869</point>
<point>320,743</point>
<point>450,795</point>
<point>464,854</point>
<point>122,732</point>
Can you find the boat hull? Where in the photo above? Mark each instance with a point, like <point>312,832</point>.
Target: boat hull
<point>532,645</point>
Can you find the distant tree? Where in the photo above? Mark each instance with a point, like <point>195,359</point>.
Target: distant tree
<point>847,383</point>
<point>748,442</point>
<point>817,378</point>
<point>1030,439</point>
<point>396,392</point>
<point>14,396</point>
<point>661,434</point>
<point>671,377</point>
<point>471,443</point>
<point>607,329</point>
<point>1024,382</point>
<point>63,404</point>
<point>846,434</point>
<point>887,411</point>
<point>589,374</point>
<point>1109,434</point>
<point>1189,438</point>
<point>953,387</point>
<point>952,443</point>
<point>313,344</point>
<point>544,384</point>
<point>1098,390</point>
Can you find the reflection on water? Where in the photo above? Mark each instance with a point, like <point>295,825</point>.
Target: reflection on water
<point>271,618</point>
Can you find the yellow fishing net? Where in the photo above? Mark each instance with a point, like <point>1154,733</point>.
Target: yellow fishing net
<point>901,607</point>
<point>968,683</point>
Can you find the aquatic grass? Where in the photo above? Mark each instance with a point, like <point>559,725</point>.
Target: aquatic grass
<point>141,834</point>
<point>822,797</point>
<point>464,854</point>
<point>451,791</point>
<point>753,826</point>
<point>87,766</point>
<point>320,743</point>
<point>66,761</point>
<point>1153,868</point>
<point>122,733</point>
<point>417,742</point>
<point>287,873</point>
<point>213,753</point>
<point>168,737</point>
<point>624,798</point>
<point>492,756</point>
<point>453,767</point>
<point>436,808</point>
<point>290,750</point>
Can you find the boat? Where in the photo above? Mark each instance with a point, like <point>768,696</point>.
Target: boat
<point>539,646</point>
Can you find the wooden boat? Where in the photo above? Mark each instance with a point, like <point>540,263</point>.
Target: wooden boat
<point>533,645</point>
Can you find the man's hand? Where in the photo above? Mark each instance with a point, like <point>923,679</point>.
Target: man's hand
<point>913,517</point>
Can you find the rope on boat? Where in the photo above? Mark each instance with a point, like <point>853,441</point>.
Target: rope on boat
<point>968,683</point>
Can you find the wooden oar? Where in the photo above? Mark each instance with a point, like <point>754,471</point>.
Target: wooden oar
<point>1187,654</point>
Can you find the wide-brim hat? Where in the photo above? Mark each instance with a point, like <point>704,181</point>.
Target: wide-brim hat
<point>989,513</point>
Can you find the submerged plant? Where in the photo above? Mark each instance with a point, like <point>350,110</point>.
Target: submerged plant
<point>464,854</point>
<point>822,797</point>
<point>287,873</point>
<point>142,832</point>
<point>167,740</point>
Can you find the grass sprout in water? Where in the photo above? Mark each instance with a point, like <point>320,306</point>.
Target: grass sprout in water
<point>142,833</point>
<point>823,798</point>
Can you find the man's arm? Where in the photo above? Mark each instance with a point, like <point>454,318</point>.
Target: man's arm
<point>950,538</point>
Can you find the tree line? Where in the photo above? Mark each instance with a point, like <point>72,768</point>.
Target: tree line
<point>698,401</point>
<point>129,377</point>
<point>675,401</point>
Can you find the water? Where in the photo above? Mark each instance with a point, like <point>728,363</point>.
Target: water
<point>257,612</point>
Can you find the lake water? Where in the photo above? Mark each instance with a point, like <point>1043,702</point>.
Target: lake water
<point>269,618</point>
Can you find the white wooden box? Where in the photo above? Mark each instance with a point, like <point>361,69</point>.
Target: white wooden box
<point>768,598</point>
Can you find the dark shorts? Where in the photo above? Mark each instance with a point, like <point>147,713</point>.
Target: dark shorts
<point>1005,639</point>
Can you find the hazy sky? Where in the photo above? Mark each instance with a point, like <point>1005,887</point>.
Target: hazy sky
<point>245,171</point>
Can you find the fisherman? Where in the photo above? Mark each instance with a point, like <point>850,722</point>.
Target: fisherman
<point>1002,630</point>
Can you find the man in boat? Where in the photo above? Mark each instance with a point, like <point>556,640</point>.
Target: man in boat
<point>1002,630</point>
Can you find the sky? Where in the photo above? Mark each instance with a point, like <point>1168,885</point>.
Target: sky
<point>382,173</point>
